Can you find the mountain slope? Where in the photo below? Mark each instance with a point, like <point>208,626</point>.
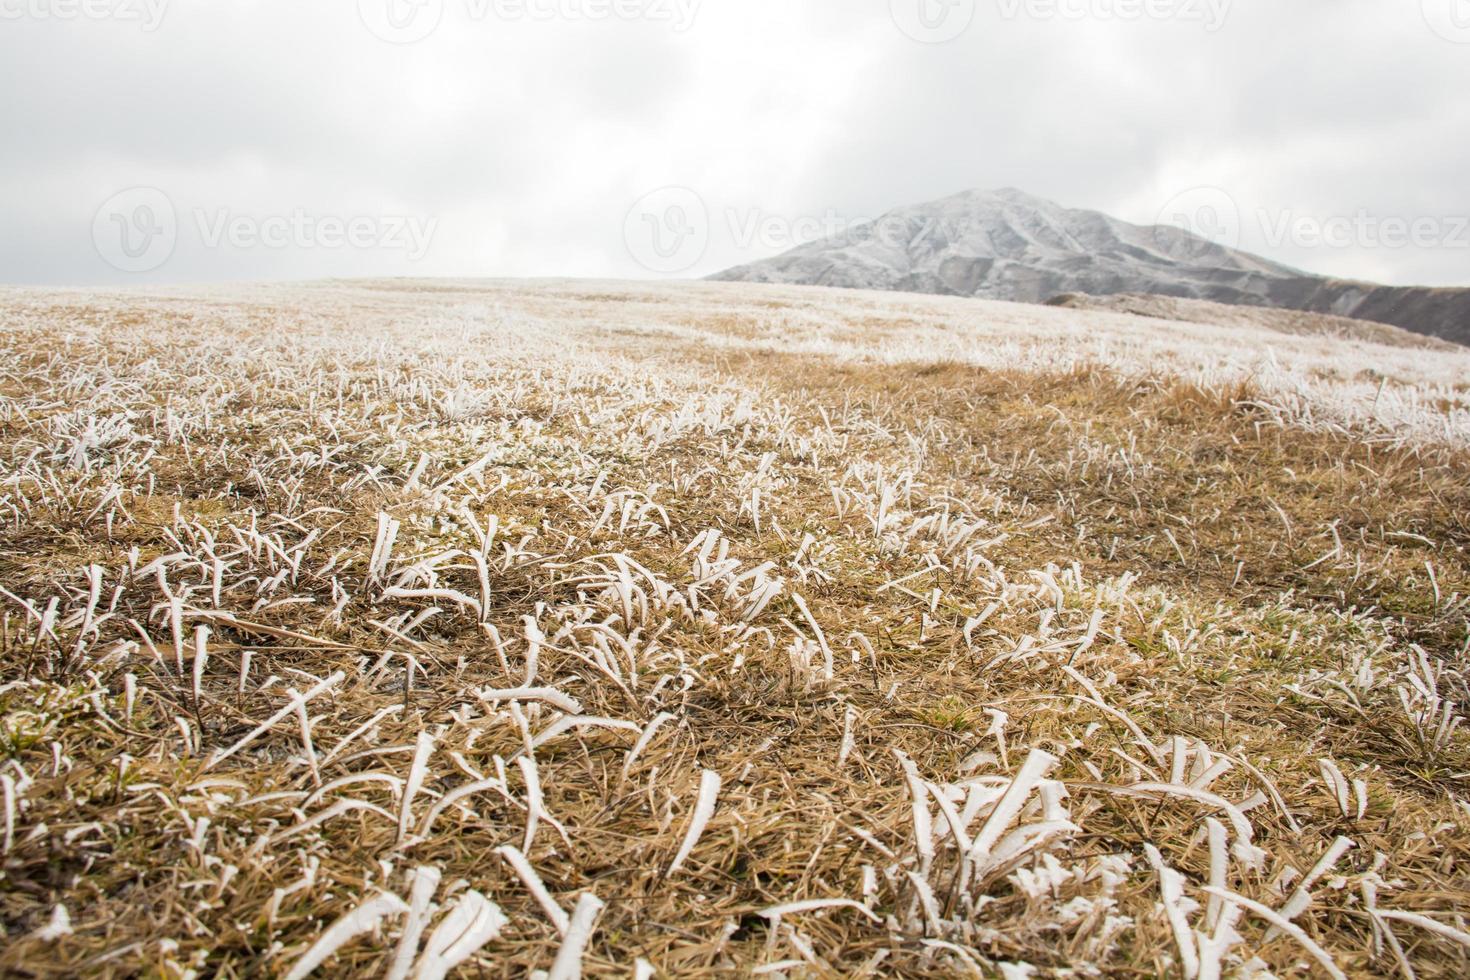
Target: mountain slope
<point>1011,245</point>
<point>1296,322</point>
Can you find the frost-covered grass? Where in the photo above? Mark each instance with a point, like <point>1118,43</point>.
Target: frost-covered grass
<point>412,628</point>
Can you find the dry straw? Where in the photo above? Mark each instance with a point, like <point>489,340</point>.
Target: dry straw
<point>711,630</point>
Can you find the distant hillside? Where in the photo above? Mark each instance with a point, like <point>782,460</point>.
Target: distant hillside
<point>1011,245</point>
<point>1222,314</point>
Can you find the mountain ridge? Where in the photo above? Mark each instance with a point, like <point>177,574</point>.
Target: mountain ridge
<point>1010,245</point>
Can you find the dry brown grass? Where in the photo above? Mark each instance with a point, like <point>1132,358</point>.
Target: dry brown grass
<point>1230,580</point>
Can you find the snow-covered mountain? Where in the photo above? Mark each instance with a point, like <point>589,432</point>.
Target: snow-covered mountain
<point>1011,245</point>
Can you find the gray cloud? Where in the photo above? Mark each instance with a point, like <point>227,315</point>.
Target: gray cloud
<point>525,140</point>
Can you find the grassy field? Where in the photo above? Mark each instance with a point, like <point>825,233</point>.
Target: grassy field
<point>406,629</point>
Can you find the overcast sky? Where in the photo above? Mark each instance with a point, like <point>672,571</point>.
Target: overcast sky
<point>184,140</point>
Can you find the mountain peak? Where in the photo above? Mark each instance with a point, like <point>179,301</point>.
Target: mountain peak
<point>1017,195</point>
<point>1005,244</point>
<point>1008,244</point>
